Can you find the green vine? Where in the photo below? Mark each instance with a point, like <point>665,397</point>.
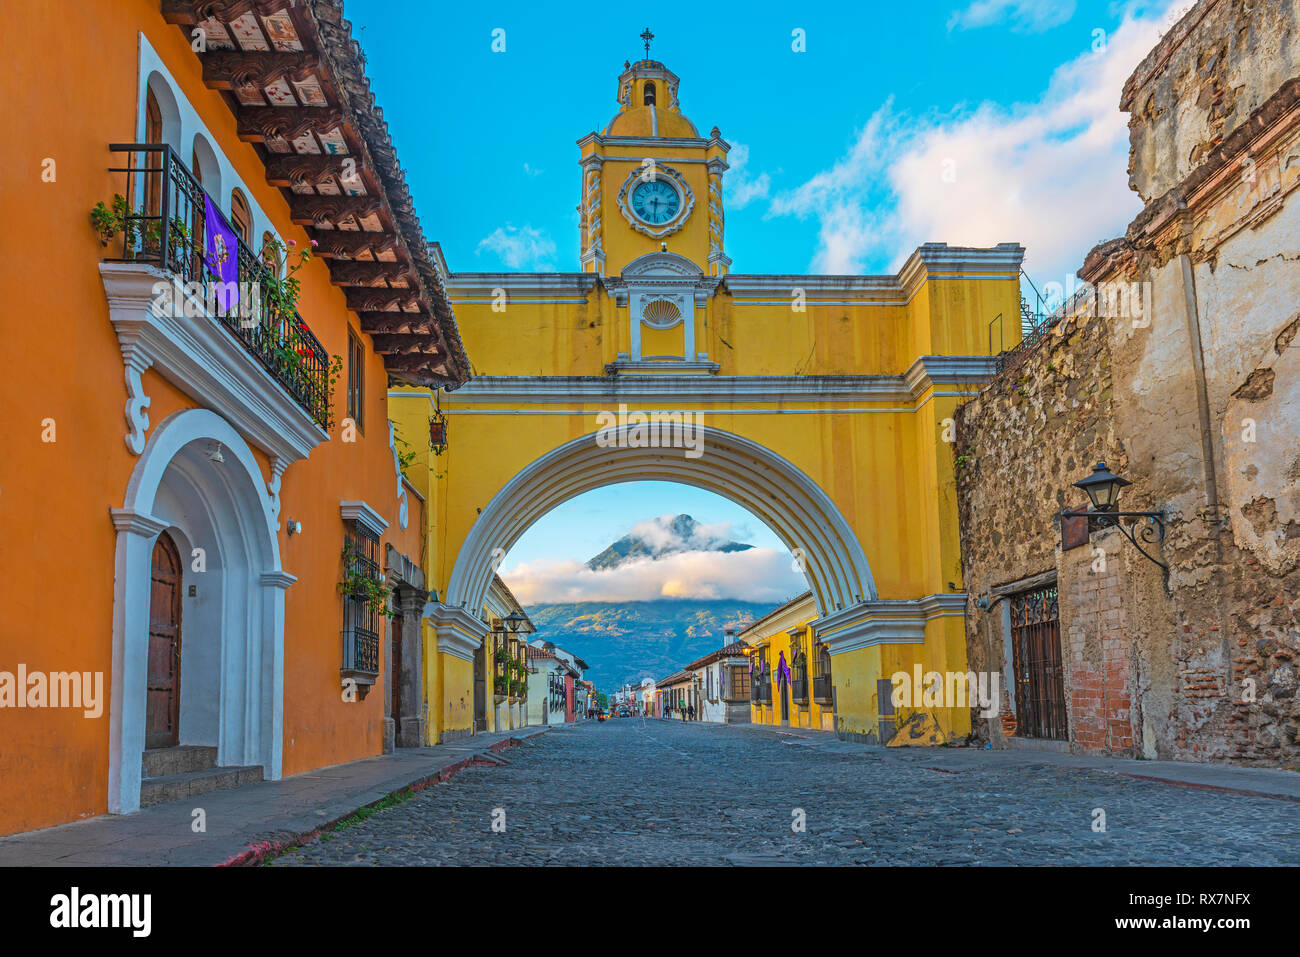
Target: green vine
<point>356,583</point>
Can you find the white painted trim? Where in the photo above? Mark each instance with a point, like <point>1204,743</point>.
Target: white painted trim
<point>885,621</point>
<point>460,634</point>
<point>924,373</point>
<point>781,495</point>
<point>354,510</point>
<point>250,688</point>
<point>204,360</point>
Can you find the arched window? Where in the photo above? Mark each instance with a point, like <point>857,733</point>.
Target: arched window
<point>649,94</point>
<point>241,218</point>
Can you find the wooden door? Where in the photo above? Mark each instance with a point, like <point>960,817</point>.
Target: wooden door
<point>163,702</point>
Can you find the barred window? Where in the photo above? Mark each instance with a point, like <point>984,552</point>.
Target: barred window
<point>360,617</point>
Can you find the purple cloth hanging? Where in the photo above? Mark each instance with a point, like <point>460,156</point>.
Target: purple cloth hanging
<point>222,258</point>
<point>782,670</point>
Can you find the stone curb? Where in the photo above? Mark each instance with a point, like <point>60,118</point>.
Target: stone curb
<point>263,851</point>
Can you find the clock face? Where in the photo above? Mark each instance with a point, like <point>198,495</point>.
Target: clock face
<point>655,202</point>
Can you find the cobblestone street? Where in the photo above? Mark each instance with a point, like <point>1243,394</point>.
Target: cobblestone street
<point>669,793</point>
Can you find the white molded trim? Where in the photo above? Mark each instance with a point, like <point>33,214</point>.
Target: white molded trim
<point>886,621</point>
<point>250,687</point>
<point>926,372</point>
<point>460,634</point>
<point>357,511</point>
<point>202,359</point>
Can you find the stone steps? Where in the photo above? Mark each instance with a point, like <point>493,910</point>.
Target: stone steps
<point>186,771</point>
<point>159,762</point>
<point>170,787</point>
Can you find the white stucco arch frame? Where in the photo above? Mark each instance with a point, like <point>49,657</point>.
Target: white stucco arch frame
<point>797,510</point>
<point>235,502</point>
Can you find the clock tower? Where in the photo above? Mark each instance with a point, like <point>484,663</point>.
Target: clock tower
<point>650,181</point>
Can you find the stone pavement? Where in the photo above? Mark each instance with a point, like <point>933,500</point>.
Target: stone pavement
<point>673,793</point>
<point>245,823</point>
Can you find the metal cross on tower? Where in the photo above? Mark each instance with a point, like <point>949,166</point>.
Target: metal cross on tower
<point>647,36</point>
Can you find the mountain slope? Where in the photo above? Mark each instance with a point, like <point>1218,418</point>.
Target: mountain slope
<point>628,641</point>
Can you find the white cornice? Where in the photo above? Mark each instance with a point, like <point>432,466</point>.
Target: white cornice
<point>202,359</point>
<point>460,634</point>
<point>653,142</point>
<point>885,621</point>
<point>356,511</point>
<point>924,373</point>
<point>537,288</point>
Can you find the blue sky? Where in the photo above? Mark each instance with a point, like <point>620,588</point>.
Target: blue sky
<point>970,123</point>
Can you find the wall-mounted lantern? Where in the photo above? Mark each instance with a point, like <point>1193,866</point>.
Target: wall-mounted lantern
<point>1103,488</point>
<point>438,432</point>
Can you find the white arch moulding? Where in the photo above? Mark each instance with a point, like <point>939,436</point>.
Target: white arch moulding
<point>177,485</point>
<point>797,510</point>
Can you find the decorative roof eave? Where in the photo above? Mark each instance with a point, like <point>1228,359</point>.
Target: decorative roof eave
<point>325,52</point>
<point>342,56</point>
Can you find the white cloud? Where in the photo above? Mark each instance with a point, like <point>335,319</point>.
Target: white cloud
<point>1026,16</point>
<point>741,185</point>
<point>1050,174</point>
<point>521,247</point>
<point>532,172</point>
<point>756,574</point>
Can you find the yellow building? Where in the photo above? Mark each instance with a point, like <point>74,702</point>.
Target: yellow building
<point>822,404</point>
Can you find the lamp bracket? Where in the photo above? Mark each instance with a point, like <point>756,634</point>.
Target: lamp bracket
<point>1152,530</point>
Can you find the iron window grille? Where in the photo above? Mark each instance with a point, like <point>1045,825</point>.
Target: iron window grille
<point>361,621</point>
<point>163,223</point>
<point>823,690</point>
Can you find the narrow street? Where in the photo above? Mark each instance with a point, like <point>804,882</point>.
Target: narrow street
<point>672,793</point>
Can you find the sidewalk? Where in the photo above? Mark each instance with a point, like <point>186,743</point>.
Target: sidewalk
<point>246,823</point>
<point>1259,782</point>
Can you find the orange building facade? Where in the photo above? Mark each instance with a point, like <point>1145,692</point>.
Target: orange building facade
<point>239,554</point>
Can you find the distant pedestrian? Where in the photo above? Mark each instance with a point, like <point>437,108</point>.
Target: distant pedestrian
<point>691,712</point>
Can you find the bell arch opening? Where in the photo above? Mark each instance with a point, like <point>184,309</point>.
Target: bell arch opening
<point>769,486</point>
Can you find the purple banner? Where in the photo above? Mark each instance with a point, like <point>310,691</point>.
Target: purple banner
<point>222,257</point>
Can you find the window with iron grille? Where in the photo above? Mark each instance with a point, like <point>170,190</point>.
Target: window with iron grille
<point>820,663</point>
<point>361,621</point>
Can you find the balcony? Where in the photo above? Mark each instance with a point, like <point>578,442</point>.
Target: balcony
<point>203,319</point>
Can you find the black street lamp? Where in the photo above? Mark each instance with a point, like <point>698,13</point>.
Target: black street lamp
<point>514,621</point>
<point>1103,488</point>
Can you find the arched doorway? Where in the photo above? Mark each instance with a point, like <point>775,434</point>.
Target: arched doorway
<point>196,531</point>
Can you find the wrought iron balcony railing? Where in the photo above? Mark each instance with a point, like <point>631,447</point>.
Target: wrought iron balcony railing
<point>164,222</point>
